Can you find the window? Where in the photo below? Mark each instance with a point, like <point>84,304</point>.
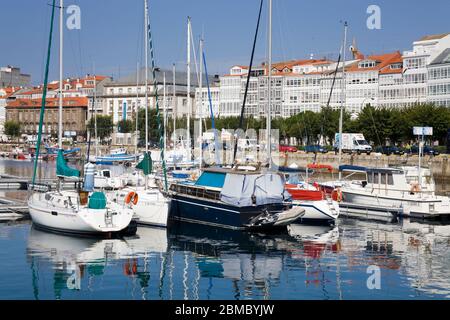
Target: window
<point>367,64</point>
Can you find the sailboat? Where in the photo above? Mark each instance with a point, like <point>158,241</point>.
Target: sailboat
<point>150,205</point>
<point>72,211</point>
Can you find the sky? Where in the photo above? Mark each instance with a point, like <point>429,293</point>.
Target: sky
<point>110,41</point>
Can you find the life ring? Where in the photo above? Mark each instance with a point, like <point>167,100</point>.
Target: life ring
<point>336,195</point>
<point>131,197</point>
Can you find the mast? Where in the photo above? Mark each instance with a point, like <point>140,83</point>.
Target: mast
<point>137,112</point>
<point>269,90</point>
<point>61,39</point>
<point>146,78</point>
<point>174,103</point>
<point>341,115</point>
<point>164,110</point>
<point>95,116</point>
<point>188,90</point>
<point>201,103</point>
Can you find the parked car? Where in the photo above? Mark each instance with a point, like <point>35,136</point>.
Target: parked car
<point>315,149</point>
<point>388,150</point>
<point>426,150</point>
<point>284,148</point>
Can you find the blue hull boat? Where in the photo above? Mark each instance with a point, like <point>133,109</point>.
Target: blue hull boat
<point>235,200</point>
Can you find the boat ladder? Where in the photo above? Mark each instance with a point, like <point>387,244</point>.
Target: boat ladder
<point>108,218</point>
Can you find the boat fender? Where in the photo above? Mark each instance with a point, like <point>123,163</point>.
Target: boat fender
<point>132,197</point>
<point>415,187</point>
<point>337,195</point>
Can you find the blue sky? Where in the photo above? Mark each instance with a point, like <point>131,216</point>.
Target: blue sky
<point>112,30</point>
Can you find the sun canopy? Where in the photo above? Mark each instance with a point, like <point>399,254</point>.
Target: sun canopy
<point>245,190</point>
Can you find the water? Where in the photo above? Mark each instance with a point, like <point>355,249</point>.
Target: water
<point>204,263</point>
<point>195,262</point>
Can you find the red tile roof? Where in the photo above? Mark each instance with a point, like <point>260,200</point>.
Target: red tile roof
<point>382,61</point>
<point>49,102</point>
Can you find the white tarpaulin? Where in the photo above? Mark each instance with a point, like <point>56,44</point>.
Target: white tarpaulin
<point>240,189</point>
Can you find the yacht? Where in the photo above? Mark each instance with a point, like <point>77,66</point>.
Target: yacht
<point>407,191</point>
<point>233,198</point>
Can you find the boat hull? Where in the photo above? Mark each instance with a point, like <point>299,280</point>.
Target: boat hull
<point>84,221</point>
<point>320,211</point>
<point>216,213</point>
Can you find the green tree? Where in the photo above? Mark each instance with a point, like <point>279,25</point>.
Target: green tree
<point>12,129</point>
<point>125,126</point>
<point>105,126</point>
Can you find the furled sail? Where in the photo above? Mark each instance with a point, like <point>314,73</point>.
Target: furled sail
<point>146,164</point>
<point>62,169</point>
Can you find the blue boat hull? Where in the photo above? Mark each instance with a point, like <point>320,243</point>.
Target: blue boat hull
<point>215,213</point>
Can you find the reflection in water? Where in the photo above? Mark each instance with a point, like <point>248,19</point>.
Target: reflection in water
<point>197,262</point>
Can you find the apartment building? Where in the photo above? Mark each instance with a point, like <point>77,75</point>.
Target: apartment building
<point>439,80</point>
<point>391,79</point>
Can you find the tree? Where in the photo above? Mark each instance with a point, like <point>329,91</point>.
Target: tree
<point>105,126</point>
<point>125,126</point>
<point>12,129</point>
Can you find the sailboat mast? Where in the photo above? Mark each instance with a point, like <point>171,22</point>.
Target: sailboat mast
<point>201,103</point>
<point>164,110</point>
<point>341,115</point>
<point>146,76</point>
<point>61,39</point>
<point>188,90</point>
<point>95,116</point>
<point>136,110</point>
<point>269,91</point>
<point>174,104</point>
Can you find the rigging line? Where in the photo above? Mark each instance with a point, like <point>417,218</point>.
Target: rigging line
<point>44,95</point>
<point>241,119</point>
<point>195,57</point>
<point>46,26</point>
<point>158,113</point>
<point>216,139</point>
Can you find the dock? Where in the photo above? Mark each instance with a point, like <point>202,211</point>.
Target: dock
<point>13,209</point>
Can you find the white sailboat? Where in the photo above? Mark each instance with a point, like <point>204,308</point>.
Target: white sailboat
<point>150,205</point>
<point>73,211</point>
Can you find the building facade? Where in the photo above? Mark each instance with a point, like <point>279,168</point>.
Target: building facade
<point>12,77</point>
<point>390,80</point>
<point>27,113</point>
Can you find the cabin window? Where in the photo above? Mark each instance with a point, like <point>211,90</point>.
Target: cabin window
<point>106,174</point>
<point>390,179</point>
<point>373,178</point>
<point>383,178</point>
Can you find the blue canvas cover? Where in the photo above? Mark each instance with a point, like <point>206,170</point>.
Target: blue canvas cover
<point>97,201</point>
<point>211,179</point>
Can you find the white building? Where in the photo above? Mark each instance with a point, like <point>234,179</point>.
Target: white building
<point>415,62</point>
<point>439,80</point>
<point>125,94</point>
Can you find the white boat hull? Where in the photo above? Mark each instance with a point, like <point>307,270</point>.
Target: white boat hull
<point>152,208</point>
<point>319,210</point>
<point>80,220</point>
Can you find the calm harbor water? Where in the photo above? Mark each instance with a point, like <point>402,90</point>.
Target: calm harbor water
<point>194,262</point>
